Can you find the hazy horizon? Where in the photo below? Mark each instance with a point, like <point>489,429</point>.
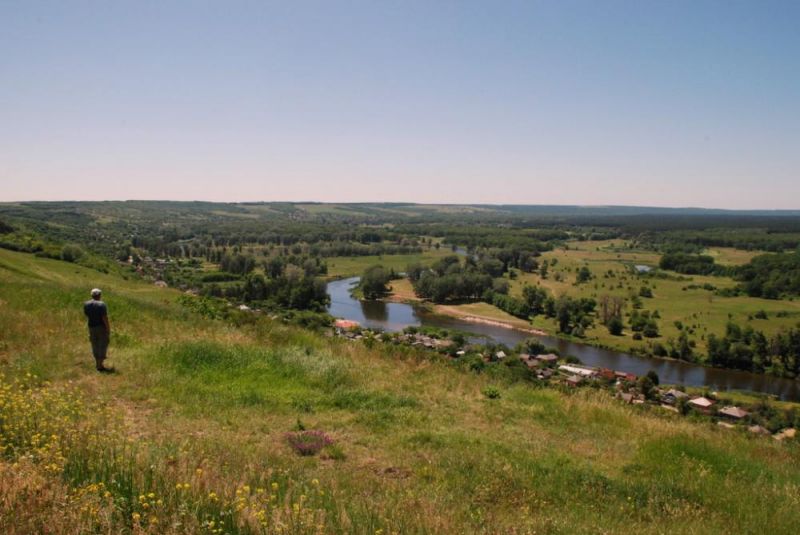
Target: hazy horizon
<point>679,104</point>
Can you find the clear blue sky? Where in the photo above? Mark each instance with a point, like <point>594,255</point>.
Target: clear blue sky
<point>664,103</point>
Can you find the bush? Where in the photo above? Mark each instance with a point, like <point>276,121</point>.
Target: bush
<point>615,326</point>
<point>219,276</point>
<point>659,350</point>
<point>491,392</point>
<point>308,442</point>
<point>71,253</point>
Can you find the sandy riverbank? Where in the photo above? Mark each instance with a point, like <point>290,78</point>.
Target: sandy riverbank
<point>402,292</point>
<point>515,323</point>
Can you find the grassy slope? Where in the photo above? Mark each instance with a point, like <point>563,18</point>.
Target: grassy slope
<point>421,450</point>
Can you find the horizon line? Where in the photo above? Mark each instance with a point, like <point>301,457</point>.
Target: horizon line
<point>466,204</point>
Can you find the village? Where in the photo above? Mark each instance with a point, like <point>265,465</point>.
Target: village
<point>564,372</point>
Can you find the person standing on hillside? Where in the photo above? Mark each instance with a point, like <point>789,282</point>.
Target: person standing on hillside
<point>99,328</point>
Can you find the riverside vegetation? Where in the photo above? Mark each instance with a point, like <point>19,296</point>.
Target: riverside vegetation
<point>191,435</point>
<point>712,287</point>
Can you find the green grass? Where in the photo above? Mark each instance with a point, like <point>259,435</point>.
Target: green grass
<point>349,266</point>
<point>697,308</point>
<point>419,447</point>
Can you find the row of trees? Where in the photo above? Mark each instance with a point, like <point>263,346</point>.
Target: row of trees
<point>574,315</point>
<point>689,264</point>
<point>744,348</point>
<point>450,280</point>
<point>771,276</point>
<point>288,287</point>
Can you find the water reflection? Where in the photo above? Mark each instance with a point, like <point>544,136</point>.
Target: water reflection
<point>396,316</point>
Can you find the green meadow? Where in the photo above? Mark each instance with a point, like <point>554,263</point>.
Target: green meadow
<point>189,434</point>
<point>679,298</point>
<point>350,266</point>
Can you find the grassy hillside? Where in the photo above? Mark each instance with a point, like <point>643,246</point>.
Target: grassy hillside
<point>188,435</point>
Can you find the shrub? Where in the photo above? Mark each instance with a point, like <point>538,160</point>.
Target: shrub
<point>491,392</point>
<point>308,442</point>
<point>71,253</point>
<point>615,326</point>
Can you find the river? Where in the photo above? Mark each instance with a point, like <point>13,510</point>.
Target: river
<point>394,317</point>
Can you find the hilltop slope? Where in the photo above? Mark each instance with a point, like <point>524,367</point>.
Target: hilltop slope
<point>189,434</point>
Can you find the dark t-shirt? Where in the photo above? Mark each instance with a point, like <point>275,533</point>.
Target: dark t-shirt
<point>95,311</point>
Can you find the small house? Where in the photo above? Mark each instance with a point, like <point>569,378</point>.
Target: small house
<point>606,373</point>
<point>549,358</point>
<point>544,373</point>
<point>532,363</point>
<point>573,380</point>
<point>578,370</point>
<point>702,404</point>
<point>626,397</point>
<point>500,355</point>
<point>673,396</point>
<point>625,376</point>
<point>734,413</point>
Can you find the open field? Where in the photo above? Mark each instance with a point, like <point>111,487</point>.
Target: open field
<point>675,301</point>
<point>418,448</point>
<point>728,256</point>
<point>350,266</point>
<point>402,290</point>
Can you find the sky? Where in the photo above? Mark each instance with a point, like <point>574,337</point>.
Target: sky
<point>656,103</point>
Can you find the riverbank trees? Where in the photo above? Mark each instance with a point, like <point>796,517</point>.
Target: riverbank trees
<point>745,348</point>
<point>771,276</point>
<point>374,282</point>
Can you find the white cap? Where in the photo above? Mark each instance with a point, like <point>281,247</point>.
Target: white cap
<point>96,292</point>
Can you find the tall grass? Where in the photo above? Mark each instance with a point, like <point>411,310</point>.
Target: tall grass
<point>124,486</point>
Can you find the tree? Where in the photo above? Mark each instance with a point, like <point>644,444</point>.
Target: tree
<point>535,298</point>
<point>615,326</point>
<point>71,253</point>
<point>610,307</point>
<point>584,274</point>
<point>684,348</point>
<point>374,282</point>
<point>651,329</point>
<point>654,377</point>
<point>543,269</point>
<point>647,387</point>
